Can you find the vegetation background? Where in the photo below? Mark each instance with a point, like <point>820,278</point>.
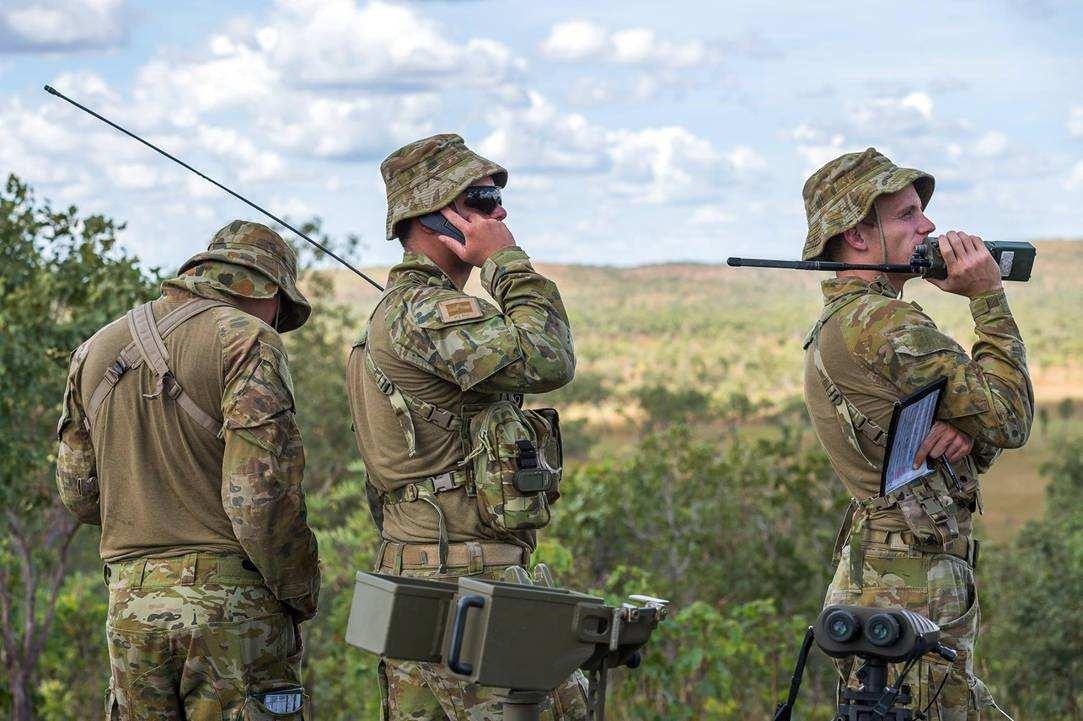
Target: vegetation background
<point>692,475</point>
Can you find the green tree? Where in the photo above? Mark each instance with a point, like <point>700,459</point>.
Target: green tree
<point>737,534</point>
<point>1034,648</point>
<point>61,278</point>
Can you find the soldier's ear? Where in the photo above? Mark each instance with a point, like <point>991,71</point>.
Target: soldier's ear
<point>853,239</point>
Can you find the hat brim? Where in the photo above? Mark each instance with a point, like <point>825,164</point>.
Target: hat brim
<point>295,308</point>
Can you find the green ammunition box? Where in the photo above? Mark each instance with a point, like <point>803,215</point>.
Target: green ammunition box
<point>400,618</point>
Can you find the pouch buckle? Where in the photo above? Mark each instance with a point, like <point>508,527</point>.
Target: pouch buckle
<point>443,482</point>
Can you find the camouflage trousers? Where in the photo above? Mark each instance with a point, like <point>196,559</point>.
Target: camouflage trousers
<point>940,587</point>
<point>413,691</point>
<point>198,637</point>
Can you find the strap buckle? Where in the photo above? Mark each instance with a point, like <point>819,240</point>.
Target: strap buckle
<point>410,493</point>
<point>443,482</point>
<point>171,386</point>
<point>115,371</point>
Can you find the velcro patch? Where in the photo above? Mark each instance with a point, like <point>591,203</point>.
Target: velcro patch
<point>456,309</point>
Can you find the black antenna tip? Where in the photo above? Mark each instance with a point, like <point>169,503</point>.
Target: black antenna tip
<point>733,261</point>
<point>51,90</point>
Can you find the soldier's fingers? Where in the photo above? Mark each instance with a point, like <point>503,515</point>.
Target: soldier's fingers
<point>455,218</point>
<point>455,246</point>
<point>959,448</point>
<point>969,242</point>
<point>927,446</point>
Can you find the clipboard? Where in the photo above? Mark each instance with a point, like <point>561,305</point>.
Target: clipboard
<point>911,420</point>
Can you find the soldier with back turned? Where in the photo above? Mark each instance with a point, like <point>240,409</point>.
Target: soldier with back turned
<point>178,438</point>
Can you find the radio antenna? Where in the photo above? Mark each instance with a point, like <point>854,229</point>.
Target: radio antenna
<point>53,91</point>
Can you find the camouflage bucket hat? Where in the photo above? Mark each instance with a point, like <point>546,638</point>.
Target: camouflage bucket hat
<point>426,175</point>
<point>250,260</point>
<point>841,193</point>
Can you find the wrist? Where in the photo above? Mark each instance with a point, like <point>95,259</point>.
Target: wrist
<point>500,262</point>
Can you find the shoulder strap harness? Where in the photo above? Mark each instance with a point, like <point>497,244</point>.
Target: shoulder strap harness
<point>853,421</point>
<point>147,346</point>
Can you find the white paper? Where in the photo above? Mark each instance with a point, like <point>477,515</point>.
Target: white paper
<point>915,421</point>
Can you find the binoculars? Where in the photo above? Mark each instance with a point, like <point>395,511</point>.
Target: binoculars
<point>892,635</point>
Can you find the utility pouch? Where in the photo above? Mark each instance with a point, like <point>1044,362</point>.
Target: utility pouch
<point>516,465</point>
<point>929,509</point>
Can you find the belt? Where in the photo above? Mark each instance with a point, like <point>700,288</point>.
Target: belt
<point>474,555</point>
<point>186,570</point>
<point>447,481</point>
<point>964,547</point>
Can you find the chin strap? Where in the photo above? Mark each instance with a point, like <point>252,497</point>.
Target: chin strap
<point>883,240</point>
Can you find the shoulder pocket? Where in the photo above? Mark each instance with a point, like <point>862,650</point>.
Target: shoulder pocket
<point>261,406</point>
<point>922,340</point>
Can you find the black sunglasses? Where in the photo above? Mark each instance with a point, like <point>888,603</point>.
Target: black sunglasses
<point>482,198</point>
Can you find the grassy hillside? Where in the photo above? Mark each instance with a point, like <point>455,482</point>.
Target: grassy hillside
<point>735,334</point>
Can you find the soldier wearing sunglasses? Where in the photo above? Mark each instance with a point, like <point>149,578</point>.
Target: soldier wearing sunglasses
<point>429,364</point>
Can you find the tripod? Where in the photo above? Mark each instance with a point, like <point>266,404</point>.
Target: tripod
<point>875,701</point>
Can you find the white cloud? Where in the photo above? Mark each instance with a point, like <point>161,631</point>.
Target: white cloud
<point>1075,122</point>
<point>362,128</point>
<point>664,165</point>
<point>579,40</point>
<point>1074,180</point>
<point>336,43</point>
<point>744,159</point>
<point>991,144</point>
<point>62,25</point>
<point>708,215</point>
<point>575,40</point>
<point>539,138</point>
<point>133,176</point>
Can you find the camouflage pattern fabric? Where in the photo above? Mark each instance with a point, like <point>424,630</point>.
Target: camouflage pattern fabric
<point>263,466</point>
<point>414,691</point>
<point>841,193</point>
<point>525,349</point>
<point>428,174</point>
<point>194,638</point>
<point>878,348</point>
<point>940,587</point>
<point>256,247</point>
<point>500,502</point>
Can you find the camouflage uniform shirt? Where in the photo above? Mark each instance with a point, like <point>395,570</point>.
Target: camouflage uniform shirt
<point>877,349</point>
<point>450,349</point>
<point>159,484</point>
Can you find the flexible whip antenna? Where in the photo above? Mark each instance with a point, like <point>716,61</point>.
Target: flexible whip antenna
<point>53,91</point>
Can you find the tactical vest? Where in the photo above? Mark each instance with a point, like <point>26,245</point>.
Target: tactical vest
<point>147,346</point>
<point>511,457</point>
<point>931,505</point>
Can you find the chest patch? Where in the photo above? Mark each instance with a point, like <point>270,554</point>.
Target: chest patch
<point>456,309</point>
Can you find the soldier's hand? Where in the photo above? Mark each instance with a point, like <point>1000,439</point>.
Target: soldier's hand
<point>484,235</point>
<point>971,267</point>
<point>944,440</point>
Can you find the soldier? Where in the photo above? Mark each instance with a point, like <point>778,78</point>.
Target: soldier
<point>868,349</point>
<point>459,476</point>
<point>178,438</point>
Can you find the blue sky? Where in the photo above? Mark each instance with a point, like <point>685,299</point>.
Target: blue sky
<point>634,132</point>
